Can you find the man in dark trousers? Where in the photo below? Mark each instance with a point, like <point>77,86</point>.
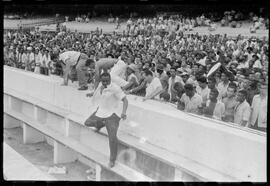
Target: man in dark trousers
<point>75,62</point>
<point>106,100</point>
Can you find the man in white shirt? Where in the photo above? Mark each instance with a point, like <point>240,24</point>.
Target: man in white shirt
<point>242,109</point>
<point>258,119</point>
<point>223,85</point>
<point>154,87</point>
<point>202,88</point>
<point>107,101</point>
<point>190,101</point>
<point>118,72</point>
<point>75,61</point>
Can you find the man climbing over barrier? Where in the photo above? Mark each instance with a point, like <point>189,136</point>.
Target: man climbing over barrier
<point>106,102</point>
<point>74,62</point>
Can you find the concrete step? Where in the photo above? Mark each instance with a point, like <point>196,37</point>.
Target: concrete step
<point>16,167</point>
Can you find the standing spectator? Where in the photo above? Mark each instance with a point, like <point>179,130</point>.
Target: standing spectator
<point>38,58</point>
<point>43,62</point>
<point>258,119</point>
<point>19,57</point>
<point>32,60</point>
<point>242,109</point>
<point>230,102</point>
<point>25,59</point>
<point>190,101</point>
<point>172,80</point>
<point>202,88</point>
<point>154,87</point>
<point>47,60</point>
<point>214,108</point>
<point>223,85</point>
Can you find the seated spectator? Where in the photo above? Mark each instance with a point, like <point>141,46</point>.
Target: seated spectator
<point>223,85</point>
<point>214,108</point>
<point>242,109</point>
<point>258,119</point>
<point>230,102</point>
<point>154,86</point>
<point>190,100</point>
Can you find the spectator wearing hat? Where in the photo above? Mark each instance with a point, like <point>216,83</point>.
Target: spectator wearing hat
<point>202,88</point>
<point>230,102</point>
<point>213,107</point>
<point>131,77</point>
<point>242,109</point>
<point>258,117</point>
<point>154,86</point>
<point>190,100</point>
<point>172,80</point>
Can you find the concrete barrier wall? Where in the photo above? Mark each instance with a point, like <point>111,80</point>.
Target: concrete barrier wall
<point>230,150</point>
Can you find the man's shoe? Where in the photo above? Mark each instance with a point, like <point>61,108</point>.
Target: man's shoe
<point>83,88</point>
<point>111,164</point>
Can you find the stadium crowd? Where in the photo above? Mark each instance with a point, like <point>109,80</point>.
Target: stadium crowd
<point>162,62</point>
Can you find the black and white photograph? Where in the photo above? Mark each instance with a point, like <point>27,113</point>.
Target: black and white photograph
<point>141,92</point>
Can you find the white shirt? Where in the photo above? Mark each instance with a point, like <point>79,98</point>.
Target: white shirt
<point>259,111</point>
<point>203,92</point>
<point>119,69</point>
<point>241,112</point>
<point>191,105</point>
<point>70,57</point>
<point>153,86</point>
<point>109,101</point>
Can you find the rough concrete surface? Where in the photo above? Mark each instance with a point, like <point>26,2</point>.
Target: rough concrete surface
<point>41,155</point>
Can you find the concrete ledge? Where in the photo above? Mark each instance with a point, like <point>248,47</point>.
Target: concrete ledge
<point>17,167</point>
<point>63,154</point>
<point>31,135</point>
<point>10,122</point>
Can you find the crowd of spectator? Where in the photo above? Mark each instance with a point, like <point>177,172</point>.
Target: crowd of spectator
<point>164,63</point>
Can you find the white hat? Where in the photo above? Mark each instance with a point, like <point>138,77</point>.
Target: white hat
<point>29,48</point>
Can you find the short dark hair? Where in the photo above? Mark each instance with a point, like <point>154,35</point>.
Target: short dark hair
<point>212,79</point>
<point>232,85</point>
<point>189,86</point>
<point>244,92</point>
<point>148,73</point>
<point>89,62</point>
<point>215,91</point>
<point>202,79</point>
<point>105,74</point>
